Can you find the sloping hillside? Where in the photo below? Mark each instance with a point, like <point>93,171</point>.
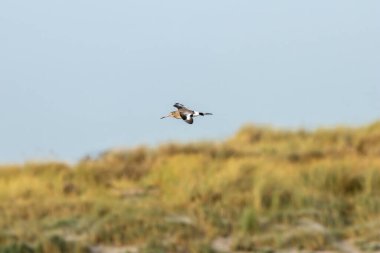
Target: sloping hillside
<point>261,190</point>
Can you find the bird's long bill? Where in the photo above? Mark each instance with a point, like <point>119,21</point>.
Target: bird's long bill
<point>165,116</point>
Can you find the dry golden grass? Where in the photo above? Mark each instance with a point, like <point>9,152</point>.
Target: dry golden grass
<point>263,189</point>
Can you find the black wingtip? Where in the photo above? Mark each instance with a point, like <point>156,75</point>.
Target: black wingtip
<point>178,105</point>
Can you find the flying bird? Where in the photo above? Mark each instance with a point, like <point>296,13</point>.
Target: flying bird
<point>186,114</point>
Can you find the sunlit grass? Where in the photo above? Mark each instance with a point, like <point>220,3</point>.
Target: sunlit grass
<point>262,189</point>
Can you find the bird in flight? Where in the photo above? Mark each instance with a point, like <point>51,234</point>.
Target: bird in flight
<point>186,114</point>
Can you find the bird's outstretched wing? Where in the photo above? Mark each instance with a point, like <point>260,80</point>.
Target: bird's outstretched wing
<point>179,106</point>
<point>187,117</point>
<point>189,121</point>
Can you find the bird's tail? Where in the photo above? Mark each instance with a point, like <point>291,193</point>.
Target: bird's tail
<point>204,113</point>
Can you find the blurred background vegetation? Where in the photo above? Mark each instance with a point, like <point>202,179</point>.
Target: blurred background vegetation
<point>263,190</point>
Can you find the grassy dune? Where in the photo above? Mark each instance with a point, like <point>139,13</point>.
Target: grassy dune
<point>263,190</point>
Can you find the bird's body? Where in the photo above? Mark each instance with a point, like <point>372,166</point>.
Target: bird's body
<point>183,113</point>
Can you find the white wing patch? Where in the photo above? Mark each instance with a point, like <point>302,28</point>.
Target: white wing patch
<point>196,113</point>
<point>189,118</point>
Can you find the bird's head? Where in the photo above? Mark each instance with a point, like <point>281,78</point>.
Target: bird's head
<point>171,114</point>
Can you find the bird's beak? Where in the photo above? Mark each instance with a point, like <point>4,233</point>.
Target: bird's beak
<point>165,116</point>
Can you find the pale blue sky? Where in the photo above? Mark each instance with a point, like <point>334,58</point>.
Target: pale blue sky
<point>78,77</point>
